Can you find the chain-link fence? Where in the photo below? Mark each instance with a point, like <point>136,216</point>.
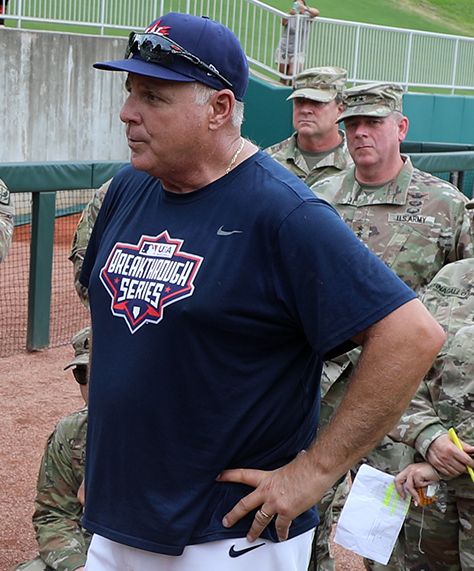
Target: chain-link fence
<point>67,314</point>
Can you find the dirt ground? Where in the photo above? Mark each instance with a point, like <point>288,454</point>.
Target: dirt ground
<point>35,393</point>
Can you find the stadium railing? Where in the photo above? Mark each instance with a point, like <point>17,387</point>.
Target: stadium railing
<point>411,58</point>
<point>39,307</point>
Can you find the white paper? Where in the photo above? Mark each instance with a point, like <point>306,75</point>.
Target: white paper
<point>372,516</point>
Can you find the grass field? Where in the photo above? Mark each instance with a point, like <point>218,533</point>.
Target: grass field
<point>441,16</point>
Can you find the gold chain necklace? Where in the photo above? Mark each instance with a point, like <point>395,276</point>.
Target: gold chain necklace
<point>236,154</point>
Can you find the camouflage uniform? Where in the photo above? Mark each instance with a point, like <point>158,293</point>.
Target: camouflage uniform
<point>416,223</point>
<point>82,235</point>
<point>6,220</point>
<point>287,153</point>
<point>444,399</point>
<point>63,543</point>
<point>321,84</point>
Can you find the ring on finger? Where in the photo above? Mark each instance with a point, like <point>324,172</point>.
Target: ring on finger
<point>264,514</point>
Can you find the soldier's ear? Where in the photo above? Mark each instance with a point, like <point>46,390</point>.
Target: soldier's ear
<point>402,128</point>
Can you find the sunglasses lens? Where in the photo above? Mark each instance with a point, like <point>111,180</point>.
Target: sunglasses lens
<point>80,374</point>
<point>155,49</point>
<point>150,47</point>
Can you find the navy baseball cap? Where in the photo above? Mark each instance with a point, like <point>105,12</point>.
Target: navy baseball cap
<point>182,47</point>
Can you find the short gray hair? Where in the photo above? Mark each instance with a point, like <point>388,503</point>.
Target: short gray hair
<point>397,116</point>
<point>204,94</point>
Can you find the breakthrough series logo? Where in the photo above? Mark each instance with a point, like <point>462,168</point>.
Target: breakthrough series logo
<point>143,279</point>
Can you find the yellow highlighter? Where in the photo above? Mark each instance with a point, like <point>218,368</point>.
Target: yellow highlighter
<point>456,441</point>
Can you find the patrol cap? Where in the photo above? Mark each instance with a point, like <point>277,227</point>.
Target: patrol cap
<point>372,100</point>
<point>319,83</point>
<point>80,343</point>
<point>185,48</point>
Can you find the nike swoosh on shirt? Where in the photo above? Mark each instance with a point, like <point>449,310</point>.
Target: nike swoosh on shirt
<point>234,553</point>
<point>222,232</point>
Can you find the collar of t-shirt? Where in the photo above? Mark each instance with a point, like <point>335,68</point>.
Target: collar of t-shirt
<point>313,159</point>
<point>372,188</point>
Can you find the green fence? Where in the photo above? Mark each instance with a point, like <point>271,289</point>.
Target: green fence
<point>433,117</point>
<point>451,162</point>
<point>38,304</point>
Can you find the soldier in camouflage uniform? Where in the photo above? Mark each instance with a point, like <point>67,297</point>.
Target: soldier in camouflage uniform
<point>82,235</point>
<point>414,221</point>
<point>6,220</point>
<point>318,148</point>
<point>445,399</point>
<point>62,542</point>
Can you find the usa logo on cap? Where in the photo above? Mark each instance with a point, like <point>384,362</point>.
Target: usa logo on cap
<point>157,28</point>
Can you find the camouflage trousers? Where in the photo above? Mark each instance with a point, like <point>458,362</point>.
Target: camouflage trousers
<point>36,564</point>
<point>329,510</point>
<point>447,539</point>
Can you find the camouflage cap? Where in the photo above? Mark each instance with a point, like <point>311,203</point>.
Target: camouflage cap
<point>80,342</point>
<point>372,100</point>
<point>319,83</point>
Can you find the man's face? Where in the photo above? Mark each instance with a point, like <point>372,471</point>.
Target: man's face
<point>302,5</point>
<point>163,123</point>
<point>80,374</point>
<point>374,140</point>
<point>314,118</point>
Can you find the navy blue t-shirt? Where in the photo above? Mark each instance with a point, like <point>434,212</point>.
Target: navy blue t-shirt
<point>212,312</point>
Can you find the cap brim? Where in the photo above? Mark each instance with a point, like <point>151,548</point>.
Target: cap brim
<point>363,113</point>
<point>140,67</point>
<point>321,95</point>
<point>80,360</point>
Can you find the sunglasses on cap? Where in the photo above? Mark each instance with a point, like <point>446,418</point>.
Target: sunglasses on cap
<point>155,48</point>
<point>80,374</point>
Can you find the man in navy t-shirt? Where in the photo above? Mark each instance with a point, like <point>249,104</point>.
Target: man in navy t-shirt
<point>218,284</point>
